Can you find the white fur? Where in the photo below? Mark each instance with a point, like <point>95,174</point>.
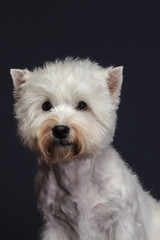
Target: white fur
<point>96,196</point>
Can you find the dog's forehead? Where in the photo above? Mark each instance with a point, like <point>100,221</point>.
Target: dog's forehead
<point>71,74</point>
<point>70,80</point>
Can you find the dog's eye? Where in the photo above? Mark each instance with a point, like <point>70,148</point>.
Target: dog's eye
<point>46,106</point>
<point>81,106</point>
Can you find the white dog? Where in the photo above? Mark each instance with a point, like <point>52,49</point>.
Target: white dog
<point>66,114</point>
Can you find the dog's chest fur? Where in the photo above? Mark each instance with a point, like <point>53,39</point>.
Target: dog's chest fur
<point>73,192</point>
<point>83,195</point>
<point>92,196</point>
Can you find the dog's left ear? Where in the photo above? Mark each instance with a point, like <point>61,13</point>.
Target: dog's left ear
<point>114,80</point>
<point>18,77</point>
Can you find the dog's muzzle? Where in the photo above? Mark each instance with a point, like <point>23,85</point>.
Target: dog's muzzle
<point>59,143</point>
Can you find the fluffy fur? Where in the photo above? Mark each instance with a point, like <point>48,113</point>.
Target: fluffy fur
<point>85,190</point>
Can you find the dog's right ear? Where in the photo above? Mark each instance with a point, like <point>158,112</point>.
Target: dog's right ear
<point>18,77</point>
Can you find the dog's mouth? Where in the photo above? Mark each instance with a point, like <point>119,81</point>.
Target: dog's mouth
<point>62,143</point>
<point>61,150</point>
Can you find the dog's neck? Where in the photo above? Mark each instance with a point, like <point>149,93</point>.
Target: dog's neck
<point>68,174</point>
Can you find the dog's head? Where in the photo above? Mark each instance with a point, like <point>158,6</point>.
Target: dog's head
<point>67,109</point>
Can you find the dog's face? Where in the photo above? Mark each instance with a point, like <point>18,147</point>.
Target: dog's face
<point>67,110</point>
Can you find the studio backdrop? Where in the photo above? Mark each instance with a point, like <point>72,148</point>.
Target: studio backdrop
<point>109,32</point>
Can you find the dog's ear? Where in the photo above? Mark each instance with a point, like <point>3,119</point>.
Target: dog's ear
<point>18,77</point>
<point>114,80</point>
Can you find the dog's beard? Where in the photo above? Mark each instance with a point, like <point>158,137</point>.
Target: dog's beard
<point>59,153</point>
<point>60,150</point>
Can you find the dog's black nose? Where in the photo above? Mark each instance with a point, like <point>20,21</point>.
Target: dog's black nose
<point>60,131</point>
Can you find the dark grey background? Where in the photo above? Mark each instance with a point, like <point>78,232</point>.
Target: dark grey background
<point>110,32</point>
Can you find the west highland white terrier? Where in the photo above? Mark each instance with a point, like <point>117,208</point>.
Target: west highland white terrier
<point>66,114</point>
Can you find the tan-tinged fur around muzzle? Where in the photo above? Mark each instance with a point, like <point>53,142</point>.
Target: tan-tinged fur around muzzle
<point>54,153</point>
